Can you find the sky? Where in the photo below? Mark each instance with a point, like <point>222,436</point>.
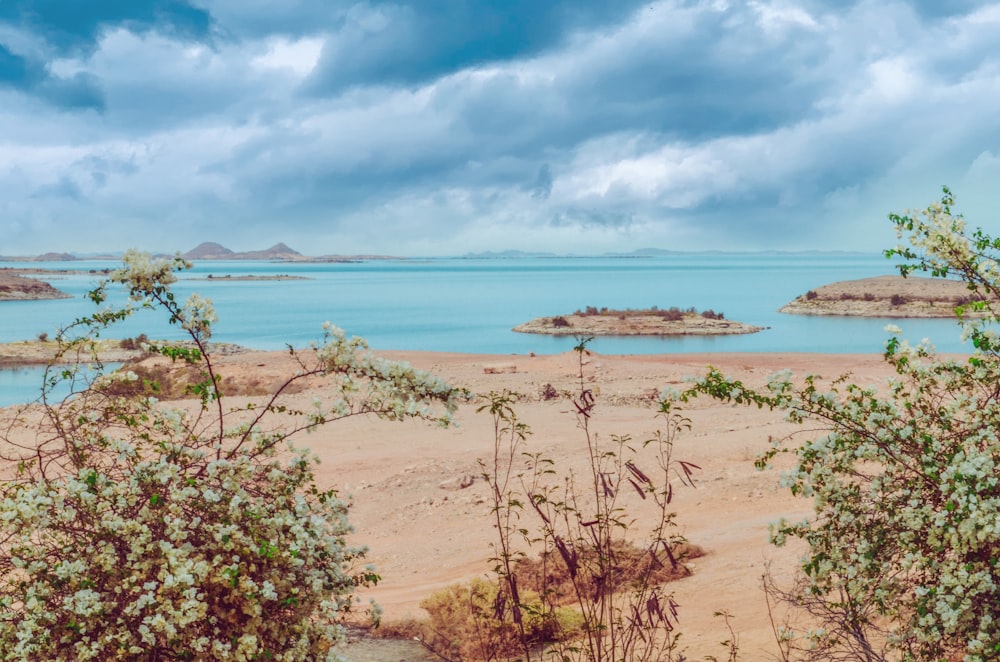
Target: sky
<point>443,127</point>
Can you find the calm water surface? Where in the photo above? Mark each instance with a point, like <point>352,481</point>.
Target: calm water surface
<point>470,305</point>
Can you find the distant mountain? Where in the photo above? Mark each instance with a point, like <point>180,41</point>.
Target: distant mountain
<point>209,250</point>
<point>45,257</point>
<point>507,254</point>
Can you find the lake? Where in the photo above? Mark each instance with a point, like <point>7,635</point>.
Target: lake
<point>471,304</point>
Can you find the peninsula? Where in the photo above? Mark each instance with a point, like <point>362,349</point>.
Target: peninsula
<point>15,286</point>
<point>883,296</point>
<point>646,322</point>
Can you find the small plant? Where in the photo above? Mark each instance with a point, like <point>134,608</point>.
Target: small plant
<point>137,343</point>
<point>868,296</point>
<point>43,337</point>
<point>811,294</point>
<point>560,322</point>
<point>549,392</point>
<point>897,300</point>
<point>473,621</point>
<point>584,527</point>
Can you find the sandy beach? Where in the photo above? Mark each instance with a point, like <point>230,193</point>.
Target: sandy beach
<point>425,531</point>
<point>421,507</point>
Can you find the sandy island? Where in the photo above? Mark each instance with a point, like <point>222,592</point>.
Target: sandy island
<point>883,296</point>
<point>228,277</point>
<point>647,322</point>
<point>425,530</point>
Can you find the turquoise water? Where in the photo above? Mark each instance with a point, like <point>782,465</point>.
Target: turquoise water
<point>470,305</point>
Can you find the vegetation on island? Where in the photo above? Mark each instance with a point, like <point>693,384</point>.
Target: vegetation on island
<point>654,321</point>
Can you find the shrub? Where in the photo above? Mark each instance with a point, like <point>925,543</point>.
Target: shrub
<point>473,621</point>
<point>868,296</point>
<point>585,527</point>
<point>810,295</point>
<point>549,392</point>
<point>897,300</point>
<point>560,322</point>
<point>131,530</point>
<point>902,547</point>
<point>136,343</point>
<point>672,314</point>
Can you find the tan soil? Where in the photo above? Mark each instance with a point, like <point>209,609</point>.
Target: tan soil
<point>873,297</point>
<point>425,530</point>
<point>634,325</point>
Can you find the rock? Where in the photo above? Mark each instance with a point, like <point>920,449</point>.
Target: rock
<point>500,369</point>
<point>458,482</point>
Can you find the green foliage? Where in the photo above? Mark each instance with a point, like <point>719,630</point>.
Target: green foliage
<point>134,530</point>
<point>903,559</point>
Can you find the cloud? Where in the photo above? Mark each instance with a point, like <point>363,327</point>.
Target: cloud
<point>414,128</point>
<point>75,28</point>
<point>393,43</point>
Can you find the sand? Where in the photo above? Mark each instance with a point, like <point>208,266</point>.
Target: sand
<point>427,527</point>
<point>425,531</point>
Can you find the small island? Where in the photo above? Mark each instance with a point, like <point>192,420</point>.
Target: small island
<point>884,296</point>
<point>645,322</point>
<point>255,277</point>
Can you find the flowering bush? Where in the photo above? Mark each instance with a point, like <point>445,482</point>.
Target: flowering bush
<point>130,530</point>
<point>903,559</point>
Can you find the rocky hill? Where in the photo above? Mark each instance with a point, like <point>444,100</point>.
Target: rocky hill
<point>209,250</point>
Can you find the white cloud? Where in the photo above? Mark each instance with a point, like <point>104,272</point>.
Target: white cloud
<point>298,56</point>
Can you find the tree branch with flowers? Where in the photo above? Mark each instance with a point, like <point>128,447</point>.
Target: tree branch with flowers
<point>130,529</point>
<point>903,546</point>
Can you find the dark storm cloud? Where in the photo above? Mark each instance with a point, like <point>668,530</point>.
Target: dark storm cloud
<point>74,26</point>
<point>406,43</point>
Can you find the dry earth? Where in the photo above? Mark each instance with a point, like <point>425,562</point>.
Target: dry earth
<point>420,506</point>
<point>883,296</point>
<point>425,530</point>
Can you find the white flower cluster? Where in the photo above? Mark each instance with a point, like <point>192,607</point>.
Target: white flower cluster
<point>903,559</point>
<point>130,530</point>
<point>142,273</point>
